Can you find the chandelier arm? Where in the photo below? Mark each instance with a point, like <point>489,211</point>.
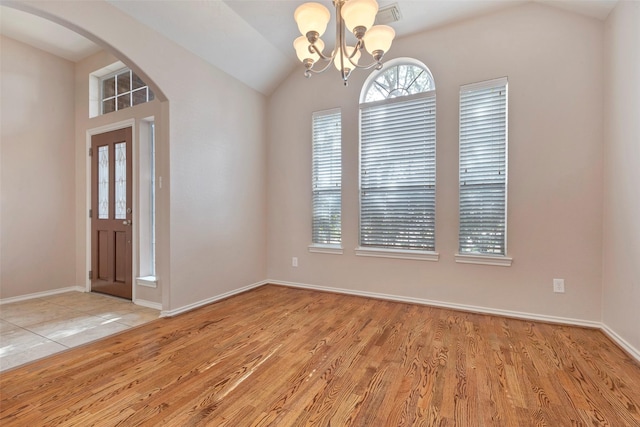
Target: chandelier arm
<point>358,46</point>
<point>313,48</point>
<point>377,61</point>
<point>376,64</point>
<point>319,70</point>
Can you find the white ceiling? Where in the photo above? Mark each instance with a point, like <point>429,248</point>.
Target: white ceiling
<point>252,39</point>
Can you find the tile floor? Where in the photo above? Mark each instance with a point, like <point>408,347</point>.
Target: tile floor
<point>39,327</point>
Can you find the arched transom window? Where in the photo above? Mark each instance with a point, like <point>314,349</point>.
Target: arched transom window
<point>398,79</point>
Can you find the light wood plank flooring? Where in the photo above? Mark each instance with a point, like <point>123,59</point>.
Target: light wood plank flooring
<point>278,356</point>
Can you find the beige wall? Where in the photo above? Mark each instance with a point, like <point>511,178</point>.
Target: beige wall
<point>553,60</point>
<point>211,231</point>
<point>621,282</point>
<point>37,231</point>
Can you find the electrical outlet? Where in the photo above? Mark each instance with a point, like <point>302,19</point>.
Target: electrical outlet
<point>558,285</point>
<point>294,261</point>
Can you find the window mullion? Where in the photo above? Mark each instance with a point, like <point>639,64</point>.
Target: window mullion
<point>116,77</point>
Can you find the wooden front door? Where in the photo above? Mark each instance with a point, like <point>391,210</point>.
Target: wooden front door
<point>111,207</point>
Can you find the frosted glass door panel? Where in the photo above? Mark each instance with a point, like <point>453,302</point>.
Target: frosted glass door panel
<point>103,182</point>
<point>121,180</point>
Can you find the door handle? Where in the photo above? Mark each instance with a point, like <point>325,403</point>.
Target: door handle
<point>126,222</point>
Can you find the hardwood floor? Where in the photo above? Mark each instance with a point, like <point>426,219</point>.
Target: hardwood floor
<point>290,357</point>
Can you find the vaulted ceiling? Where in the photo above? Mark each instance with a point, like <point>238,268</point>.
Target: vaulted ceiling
<point>252,39</point>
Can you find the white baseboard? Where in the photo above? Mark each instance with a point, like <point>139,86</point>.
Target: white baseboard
<point>148,304</point>
<point>42,294</point>
<point>631,350</point>
<point>442,304</point>
<point>634,352</point>
<point>189,307</point>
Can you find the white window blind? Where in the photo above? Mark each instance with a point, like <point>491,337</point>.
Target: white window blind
<point>327,177</point>
<point>483,168</point>
<point>397,173</point>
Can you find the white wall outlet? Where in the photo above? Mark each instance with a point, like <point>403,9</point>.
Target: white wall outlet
<point>294,261</point>
<point>558,285</point>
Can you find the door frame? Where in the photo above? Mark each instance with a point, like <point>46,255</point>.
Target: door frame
<point>135,183</point>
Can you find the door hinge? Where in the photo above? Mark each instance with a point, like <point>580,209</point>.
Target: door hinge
<point>90,213</point>
<point>90,151</point>
<point>90,274</point>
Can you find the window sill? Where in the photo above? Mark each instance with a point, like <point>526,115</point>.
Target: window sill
<point>325,249</point>
<point>398,253</point>
<point>501,261</point>
<point>148,281</point>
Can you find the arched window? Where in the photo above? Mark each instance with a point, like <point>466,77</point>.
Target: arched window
<point>398,161</point>
<point>403,77</point>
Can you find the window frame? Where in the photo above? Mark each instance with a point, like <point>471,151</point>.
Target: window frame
<point>484,257</point>
<point>149,95</point>
<point>391,251</point>
<point>146,206</point>
<point>317,246</point>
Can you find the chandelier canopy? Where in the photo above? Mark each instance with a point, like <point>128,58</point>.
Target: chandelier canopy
<point>358,17</point>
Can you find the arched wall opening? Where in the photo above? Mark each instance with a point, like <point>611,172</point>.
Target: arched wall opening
<point>211,210</point>
<point>75,168</point>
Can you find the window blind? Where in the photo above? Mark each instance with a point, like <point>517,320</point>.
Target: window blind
<point>327,177</point>
<point>397,173</point>
<point>483,167</point>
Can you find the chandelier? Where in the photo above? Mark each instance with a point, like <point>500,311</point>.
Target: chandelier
<point>355,15</point>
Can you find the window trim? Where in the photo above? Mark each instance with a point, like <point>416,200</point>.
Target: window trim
<point>503,260</point>
<point>321,248</point>
<point>114,73</point>
<point>390,252</point>
<point>412,97</point>
<point>397,253</point>
<point>146,204</point>
<point>317,247</point>
<point>95,87</point>
<point>499,260</point>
